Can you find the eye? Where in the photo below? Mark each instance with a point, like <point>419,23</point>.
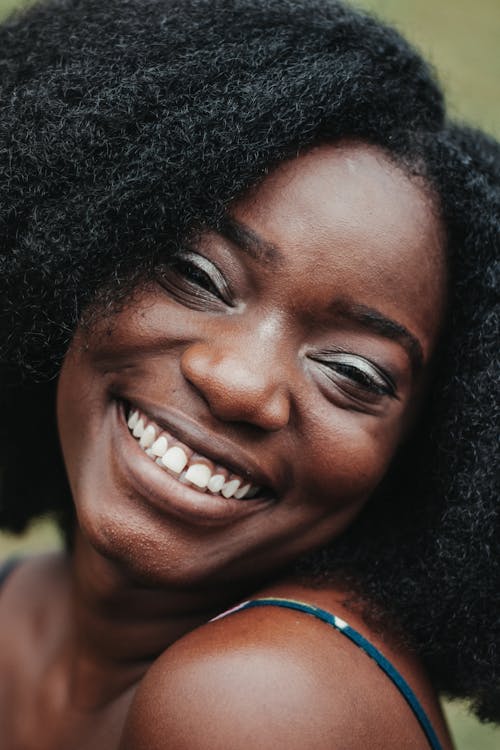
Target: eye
<point>356,375</point>
<point>193,279</point>
<point>194,274</point>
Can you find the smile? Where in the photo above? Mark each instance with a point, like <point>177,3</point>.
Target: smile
<point>184,464</point>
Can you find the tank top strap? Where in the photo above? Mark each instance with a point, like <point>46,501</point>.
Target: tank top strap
<point>361,642</point>
<point>7,567</point>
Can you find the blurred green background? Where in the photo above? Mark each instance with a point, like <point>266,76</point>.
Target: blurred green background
<point>461,39</point>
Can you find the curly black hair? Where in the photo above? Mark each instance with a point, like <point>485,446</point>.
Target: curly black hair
<point>125,125</point>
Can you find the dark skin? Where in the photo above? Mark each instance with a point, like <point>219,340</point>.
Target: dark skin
<point>294,346</point>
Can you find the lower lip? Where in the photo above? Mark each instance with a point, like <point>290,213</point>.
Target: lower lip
<point>167,493</point>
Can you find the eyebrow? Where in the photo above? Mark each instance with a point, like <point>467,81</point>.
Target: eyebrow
<point>265,252</point>
<point>374,321</point>
<point>249,242</point>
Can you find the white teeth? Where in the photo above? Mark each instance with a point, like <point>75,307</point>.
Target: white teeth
<point>175,459</point>
<point>148,437</point>
<point>133,419</point>
<point>138,429</point>
<point>230,488</point>
<point>159,447</point>
<point>198,474</point>
<point>242,491</point>
<point>216,483</point>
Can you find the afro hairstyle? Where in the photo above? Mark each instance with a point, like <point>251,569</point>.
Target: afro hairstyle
<point>127,124</point>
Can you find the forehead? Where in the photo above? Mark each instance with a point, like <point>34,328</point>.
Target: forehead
<point>348,222</point>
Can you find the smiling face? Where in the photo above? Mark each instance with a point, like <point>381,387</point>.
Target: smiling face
<point>286,353</point>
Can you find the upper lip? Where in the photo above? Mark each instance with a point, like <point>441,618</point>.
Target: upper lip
<point>208,444</point>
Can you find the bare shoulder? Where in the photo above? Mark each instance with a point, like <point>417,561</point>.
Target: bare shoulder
<point>30,619</point>
<point>272,677</point>
<point>30,580</point>
<point>32,607</point>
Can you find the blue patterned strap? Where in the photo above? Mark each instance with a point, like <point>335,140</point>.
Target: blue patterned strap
<point>360,641</point>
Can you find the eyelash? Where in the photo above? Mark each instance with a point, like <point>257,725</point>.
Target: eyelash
<point>186,279</point>
<point>381,384</point>
<point>366,381</point>
<point>195,275</point>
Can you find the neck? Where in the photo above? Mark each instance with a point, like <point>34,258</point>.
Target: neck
<point>120,625</point>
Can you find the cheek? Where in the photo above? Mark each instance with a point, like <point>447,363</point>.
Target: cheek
<point>348,460</point>
<point>80,408</point>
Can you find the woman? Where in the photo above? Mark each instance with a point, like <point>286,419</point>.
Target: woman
<point>261,265</point>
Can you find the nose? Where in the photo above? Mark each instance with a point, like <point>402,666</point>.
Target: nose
<point>239,383</point>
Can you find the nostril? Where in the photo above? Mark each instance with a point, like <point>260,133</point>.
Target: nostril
<point>236,386</point>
